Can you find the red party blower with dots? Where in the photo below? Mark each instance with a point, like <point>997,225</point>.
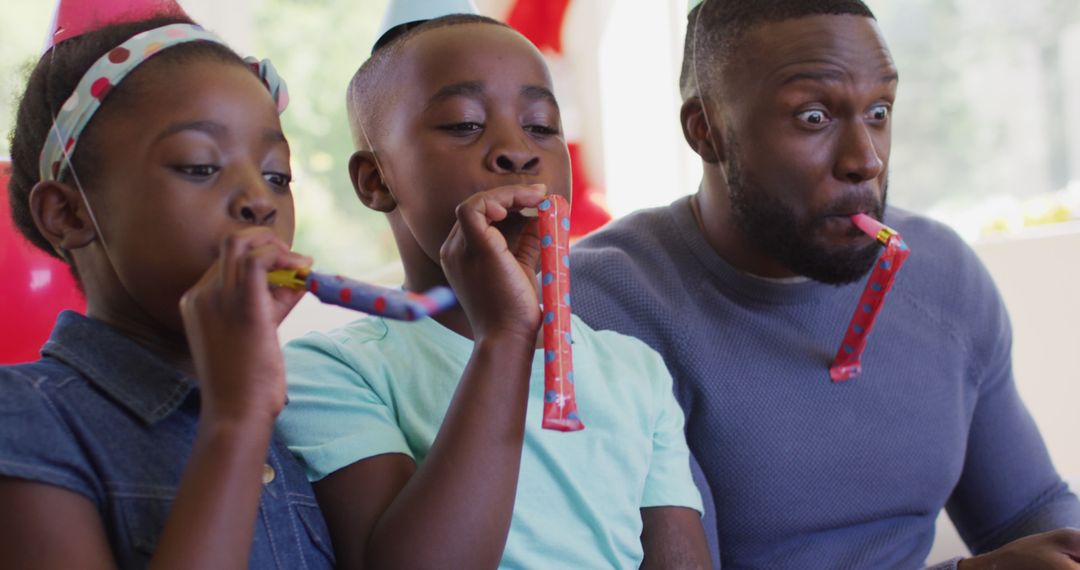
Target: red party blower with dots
<point>560,405</point>
<point>365,297</point>
<point>848,361</point>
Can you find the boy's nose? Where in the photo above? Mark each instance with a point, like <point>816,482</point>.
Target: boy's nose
<point>514,161</point>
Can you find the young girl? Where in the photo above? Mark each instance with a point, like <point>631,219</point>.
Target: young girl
<point>144,435</point>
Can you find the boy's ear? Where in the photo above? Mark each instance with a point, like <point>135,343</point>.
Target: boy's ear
<point>367,181</point>
<point>61,216</point>
<point>696,129</point>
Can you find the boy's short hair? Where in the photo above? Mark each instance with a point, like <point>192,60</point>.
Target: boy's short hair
<point>366,97</point>
<point>49,85</point>
<point>714,27</point>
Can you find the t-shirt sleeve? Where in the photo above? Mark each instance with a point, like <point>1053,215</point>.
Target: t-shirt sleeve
<point>35,442</point>
<point>1008,488</point>
<point>334,417</point>
<point>669,482</point>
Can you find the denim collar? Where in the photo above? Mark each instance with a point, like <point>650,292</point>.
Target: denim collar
<point>138,380</point>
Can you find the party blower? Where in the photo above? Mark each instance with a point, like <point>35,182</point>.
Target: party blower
<point>365,297</point>
<point>560,404</point>
<point>848,361</point>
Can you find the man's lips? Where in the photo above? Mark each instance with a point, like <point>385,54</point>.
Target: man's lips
<point>840,226</point>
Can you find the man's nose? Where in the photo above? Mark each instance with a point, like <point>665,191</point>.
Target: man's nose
<point>858,156</point>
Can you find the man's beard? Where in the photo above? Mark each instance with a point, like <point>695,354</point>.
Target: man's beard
<point>778,231</point>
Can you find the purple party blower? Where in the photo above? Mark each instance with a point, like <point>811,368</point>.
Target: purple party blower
<point>365,297</point>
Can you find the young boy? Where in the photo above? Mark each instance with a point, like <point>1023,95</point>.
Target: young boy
<point>424,439</point>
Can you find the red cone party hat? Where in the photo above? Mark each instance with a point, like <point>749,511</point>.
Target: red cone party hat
<point>76,17</point>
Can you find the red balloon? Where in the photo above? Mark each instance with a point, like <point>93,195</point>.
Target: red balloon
<point>34,288</point>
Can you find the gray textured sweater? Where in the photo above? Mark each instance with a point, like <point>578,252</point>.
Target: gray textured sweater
<point>805,473</point>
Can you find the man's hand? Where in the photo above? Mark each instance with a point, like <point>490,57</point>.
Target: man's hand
<point>1057,549</point>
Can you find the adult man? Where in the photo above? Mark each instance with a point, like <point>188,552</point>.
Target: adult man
<point>747,288</point>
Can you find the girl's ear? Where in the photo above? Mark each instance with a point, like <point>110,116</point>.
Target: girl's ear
<point>367,180</point>
<point>61,216</point>
<point>698,131</point>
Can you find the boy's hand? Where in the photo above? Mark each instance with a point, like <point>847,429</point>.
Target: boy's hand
<point>231,318</point>
<point>495,280</point>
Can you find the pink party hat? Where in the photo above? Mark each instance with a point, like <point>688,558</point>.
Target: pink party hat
<point>74,18</point>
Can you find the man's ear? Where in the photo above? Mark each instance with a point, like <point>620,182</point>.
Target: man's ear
<point>367,181</point>
<point>696,129</point>
<point>61,216</point>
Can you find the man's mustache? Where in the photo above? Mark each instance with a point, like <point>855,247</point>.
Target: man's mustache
<point>860,202</point>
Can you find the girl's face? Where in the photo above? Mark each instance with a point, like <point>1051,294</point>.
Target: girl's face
<point>191,152</point>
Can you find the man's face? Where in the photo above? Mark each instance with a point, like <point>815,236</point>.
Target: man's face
<point>473,111</point>
<point>807,105</point>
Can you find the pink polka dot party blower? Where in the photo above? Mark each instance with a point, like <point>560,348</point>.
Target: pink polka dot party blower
<point>365,297</point>
<point>848,361</point>
<point>560,404</point>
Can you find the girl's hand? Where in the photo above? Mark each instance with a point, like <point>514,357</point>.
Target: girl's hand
<point>231,317</point>
<point>495,280</point>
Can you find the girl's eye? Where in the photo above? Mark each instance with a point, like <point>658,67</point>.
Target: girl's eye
<point>278,179</point>
<point>814,117</point>
<point>880,112</point>
<point>198,170</point>
<point>464,128</point>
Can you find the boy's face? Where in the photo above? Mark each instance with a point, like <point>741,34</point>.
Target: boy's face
<point>471,109</point>
<point>194,153</point>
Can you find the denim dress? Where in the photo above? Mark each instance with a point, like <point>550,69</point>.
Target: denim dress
<point>102,417</point>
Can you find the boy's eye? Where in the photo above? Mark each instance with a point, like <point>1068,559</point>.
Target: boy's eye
<point>541,130</point>
<point>814,117</point>
<point>198,170</point>
<point>464,128</point>
<point>278,179</point>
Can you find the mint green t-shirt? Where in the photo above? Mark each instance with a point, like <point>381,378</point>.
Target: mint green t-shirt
<point>378,386</point>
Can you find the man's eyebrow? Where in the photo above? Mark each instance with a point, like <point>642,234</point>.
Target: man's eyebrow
<point>832,76</point>
<point>214,129</point>
<point>819,76</point>
<point>470,89</point>
<point>537,93</point>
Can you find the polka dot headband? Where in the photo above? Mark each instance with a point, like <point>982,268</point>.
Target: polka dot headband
<point>110,70</point>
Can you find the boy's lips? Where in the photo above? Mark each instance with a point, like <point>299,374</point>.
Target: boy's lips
<point>512,226</point>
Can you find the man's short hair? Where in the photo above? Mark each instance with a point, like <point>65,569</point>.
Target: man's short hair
<point>714,27</point>
<point>368,95</point>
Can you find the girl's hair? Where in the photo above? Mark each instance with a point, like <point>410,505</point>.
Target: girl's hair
<point>53,80</point>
